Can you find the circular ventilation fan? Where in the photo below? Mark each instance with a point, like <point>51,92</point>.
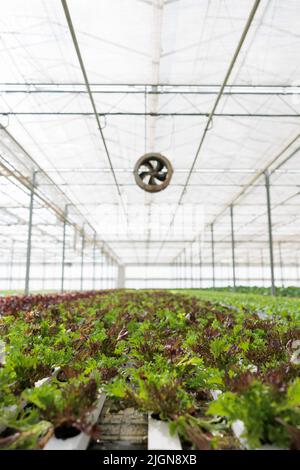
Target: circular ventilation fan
<point>153,172</point>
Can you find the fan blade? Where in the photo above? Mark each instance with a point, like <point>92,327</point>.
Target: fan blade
<point>159,165</point>
<point>144,174</point>
<point>161,176</point>
<point>148,165</point>
<point>152,181</point>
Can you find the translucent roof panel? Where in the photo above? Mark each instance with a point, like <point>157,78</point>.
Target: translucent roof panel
<point>155,69</point>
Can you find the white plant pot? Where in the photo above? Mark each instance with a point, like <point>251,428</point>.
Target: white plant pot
<point>40,382</point>
<point>159,436</point>
<point>81,441</point>
<point>2,352</point>
<point>215,393</point>
<point>238,429</point>
<point>264,316</point>
<point>12,408</point>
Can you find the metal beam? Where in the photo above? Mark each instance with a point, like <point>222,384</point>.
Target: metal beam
<point>25,182</point>
<point>110,272</point>
<point>192,267</point>
<point>206,278</point>
<point>225,242</point>
<point>206,264</point>
<point>213,110</point>
<point>152,90</point>
<point>94,261</point>
<point>157,84</point>
<point>95,112</point>
<point>151,114</point>
<point>89,278</point>
<point>121,277</point>
<point>82,259</point>
<point>226,171</point>
<point>63,250</point>
<point>257,175</point>
<point>200,263</point>
<point>28,256</point>
<point>213,254</point>
<point>11,264</point>
<point>88,88</point>
<point>101,269</point>
<point>281,264</point>
<point>226,78</point>
<point>232,247</point>
<point>177,185</point>
<point>184,268</point>
<point>267,181</point>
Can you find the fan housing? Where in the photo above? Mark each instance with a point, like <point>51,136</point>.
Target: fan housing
<point>153,172</point>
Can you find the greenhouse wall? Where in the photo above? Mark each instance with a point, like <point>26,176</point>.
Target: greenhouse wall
<point>47,276</point>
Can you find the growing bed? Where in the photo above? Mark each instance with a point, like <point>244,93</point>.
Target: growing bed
<point>220,376</point>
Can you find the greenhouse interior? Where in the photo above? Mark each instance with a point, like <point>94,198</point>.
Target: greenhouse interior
<point>150,225</point>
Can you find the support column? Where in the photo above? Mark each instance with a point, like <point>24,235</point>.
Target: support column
<point>121,277</point>
<point>12,256</point>
<point>200,264</point>
<point>191,267</point>
<point>28,256</point>
<point>82,259</point>
<point>109,272</point>
<point>281,264</point>
<point>43,270</point>
<point>101,268</point>
<point>232,247</point>
<point>172,276</point>
<point>94,261</point>
<point>64,250</point>
<point>114,275</point>
<point>213,254</point>
<point>105,271</point>
<point>248,269</point>
<point>267,183</point>
<point>262,266</point>
<point>184,270</point>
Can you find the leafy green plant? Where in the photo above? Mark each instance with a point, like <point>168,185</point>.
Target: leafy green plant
<point>158,351</point>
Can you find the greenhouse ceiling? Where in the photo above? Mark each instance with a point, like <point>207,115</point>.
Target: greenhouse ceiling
<point>213,85</point>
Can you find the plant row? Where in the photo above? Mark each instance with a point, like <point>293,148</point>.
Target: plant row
<point>289,291</point>
<point>286,307</point>
<point>14,304</point>
<point>159,352</point>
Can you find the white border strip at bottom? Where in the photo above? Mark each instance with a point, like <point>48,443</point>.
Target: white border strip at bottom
<point>81,441</point>
<point>159,436</point>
